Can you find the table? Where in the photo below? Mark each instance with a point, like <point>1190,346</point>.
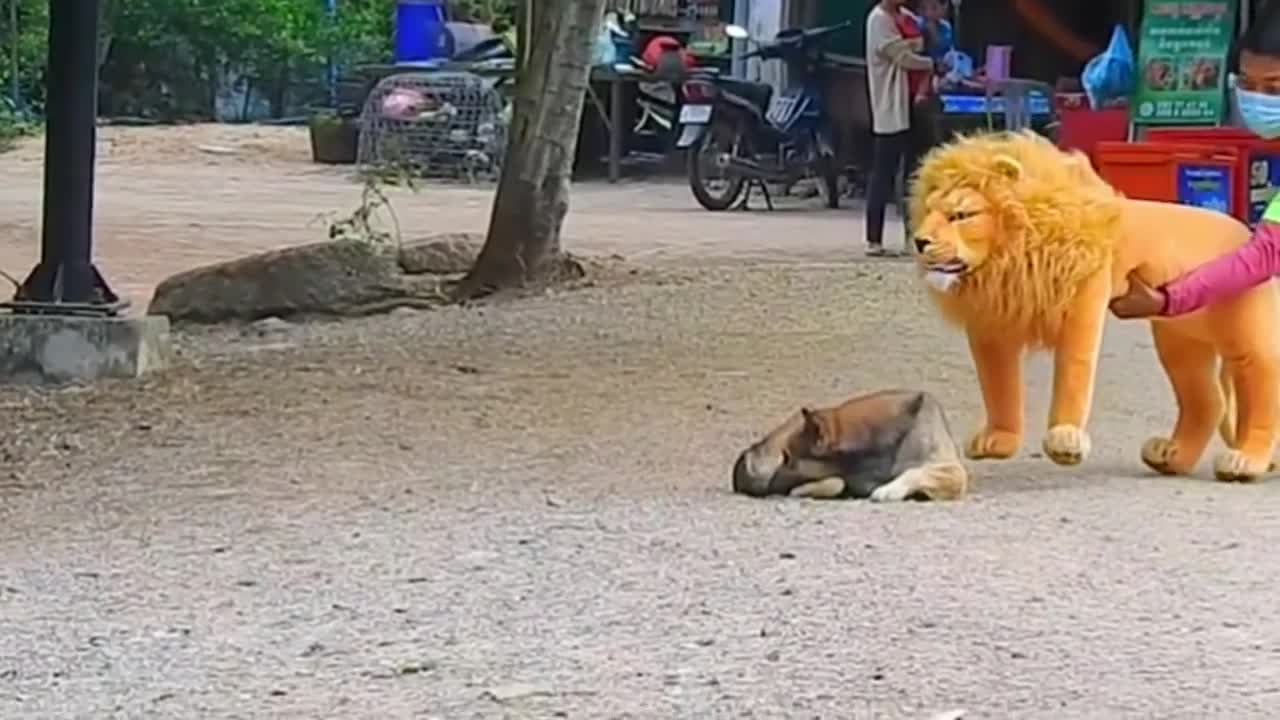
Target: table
<point>617,77</point>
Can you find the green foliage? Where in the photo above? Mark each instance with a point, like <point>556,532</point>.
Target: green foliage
<point>33,23</point>
<point>484,11</point>
<point>12,125</point>
<point>164,58</point>
<point>374,220</point>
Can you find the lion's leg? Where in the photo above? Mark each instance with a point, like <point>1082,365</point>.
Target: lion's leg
<point>1227,427</point>
<point>1256,382</point>
<point>1190,366</point>
<point>1075,364</point>
<point>999,365</point>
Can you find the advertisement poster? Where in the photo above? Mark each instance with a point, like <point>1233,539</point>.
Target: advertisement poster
<point>1206,186</point>
<point>1182,62</point>
<point>1264,179</point>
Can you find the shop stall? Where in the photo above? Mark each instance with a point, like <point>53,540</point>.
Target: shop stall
<point>1026,58</point>
<point>1185,146</point>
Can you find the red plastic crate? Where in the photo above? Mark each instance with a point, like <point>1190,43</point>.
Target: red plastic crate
<point>1082,128</point>
<point>1257,174</point>
<point>1159,171</point>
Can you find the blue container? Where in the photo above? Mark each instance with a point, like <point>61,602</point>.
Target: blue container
<point>420,32</point>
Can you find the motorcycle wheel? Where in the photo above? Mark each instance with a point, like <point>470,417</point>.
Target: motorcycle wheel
<point>830,176</point>
<point>717,139</point>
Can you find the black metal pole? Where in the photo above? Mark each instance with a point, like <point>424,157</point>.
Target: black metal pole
<point>66,274</point>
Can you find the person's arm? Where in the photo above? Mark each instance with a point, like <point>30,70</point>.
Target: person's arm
<point>888,43</point>
<point>1250,264</point>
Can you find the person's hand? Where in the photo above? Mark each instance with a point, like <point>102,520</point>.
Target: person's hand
<point>916,44</point>
<point>1139,301</point>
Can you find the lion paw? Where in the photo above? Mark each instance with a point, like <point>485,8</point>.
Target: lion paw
<point>1161,454</point>
<point>994,444</point>
<point>1235,466</point>
<point>1066,444</point>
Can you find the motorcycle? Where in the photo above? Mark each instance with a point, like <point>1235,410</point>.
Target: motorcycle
<point>754,137</point>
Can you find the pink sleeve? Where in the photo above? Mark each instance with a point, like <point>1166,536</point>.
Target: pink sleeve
<point>1235,272</point>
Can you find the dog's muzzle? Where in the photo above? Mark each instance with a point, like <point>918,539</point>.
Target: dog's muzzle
<point>745,479</point>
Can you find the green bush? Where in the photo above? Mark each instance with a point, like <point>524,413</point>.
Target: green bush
<point>164,58</point>
<point>12,125</point>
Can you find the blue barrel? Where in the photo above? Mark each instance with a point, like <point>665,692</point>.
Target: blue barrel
<point>420,31</point>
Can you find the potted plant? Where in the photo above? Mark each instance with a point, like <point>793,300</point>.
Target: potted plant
<point>334,138</point>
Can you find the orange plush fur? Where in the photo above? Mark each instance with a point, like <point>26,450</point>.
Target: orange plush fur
<point>1023,245</point>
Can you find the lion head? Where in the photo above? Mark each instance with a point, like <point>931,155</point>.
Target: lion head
<point>1007,227</point>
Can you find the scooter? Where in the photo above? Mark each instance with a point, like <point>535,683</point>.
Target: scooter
<point>752,137</point>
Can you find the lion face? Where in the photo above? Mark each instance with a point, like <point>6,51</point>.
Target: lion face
<point>960,229</point>
<point>956,236</point>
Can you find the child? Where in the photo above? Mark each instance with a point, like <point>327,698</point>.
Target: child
<point>912,28</point>
<point>938,36</point>
<point>1258,96</point>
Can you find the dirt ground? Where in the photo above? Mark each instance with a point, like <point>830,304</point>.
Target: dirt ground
<point>523,511</point>
<point>172,198</point>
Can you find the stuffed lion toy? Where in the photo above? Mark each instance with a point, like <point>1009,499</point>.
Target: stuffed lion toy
<point>1023,245</point>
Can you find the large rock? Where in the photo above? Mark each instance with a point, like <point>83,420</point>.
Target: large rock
<point>441,254</point>
<point>343,277</point>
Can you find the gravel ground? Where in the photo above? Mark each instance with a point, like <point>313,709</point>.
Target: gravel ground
<point>523,511</point>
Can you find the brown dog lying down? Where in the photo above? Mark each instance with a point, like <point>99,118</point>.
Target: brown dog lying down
<point>888,446</point>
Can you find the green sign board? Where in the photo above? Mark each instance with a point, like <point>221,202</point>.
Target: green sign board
<point>1182,62</point>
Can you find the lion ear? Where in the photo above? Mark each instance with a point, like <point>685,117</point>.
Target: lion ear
<point>1008,167</point>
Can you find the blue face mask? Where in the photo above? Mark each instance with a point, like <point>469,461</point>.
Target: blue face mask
<point>1260,112</point>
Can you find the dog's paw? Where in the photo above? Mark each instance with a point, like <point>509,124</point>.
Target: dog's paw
<point>1235,466</point>
<point>891,492</point>
<point>1066,444</point>
<point>992,444</point>
<point>1161,454</point>
<point>825,489</point>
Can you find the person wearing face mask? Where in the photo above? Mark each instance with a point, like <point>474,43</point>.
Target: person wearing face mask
<point>1257,94</point>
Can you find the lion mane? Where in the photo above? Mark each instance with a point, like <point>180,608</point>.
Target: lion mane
<point>1059,219</point>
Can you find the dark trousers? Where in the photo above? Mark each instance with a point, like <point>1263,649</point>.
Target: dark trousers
<point>891,153</point>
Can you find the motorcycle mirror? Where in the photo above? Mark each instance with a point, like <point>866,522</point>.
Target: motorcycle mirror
<point>737,32</point>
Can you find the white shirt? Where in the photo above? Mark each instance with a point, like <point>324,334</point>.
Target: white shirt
<point>889,57</point>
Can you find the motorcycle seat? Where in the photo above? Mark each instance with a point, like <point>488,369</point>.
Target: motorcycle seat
<point>759,94</point>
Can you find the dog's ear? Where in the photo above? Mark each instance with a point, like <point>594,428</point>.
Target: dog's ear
<point>817,428</point>
<point>1007,166</point>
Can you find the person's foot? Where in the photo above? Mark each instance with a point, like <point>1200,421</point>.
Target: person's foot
<point>879,251</point>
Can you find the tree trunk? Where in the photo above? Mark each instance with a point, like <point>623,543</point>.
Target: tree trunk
<point>523,244</point>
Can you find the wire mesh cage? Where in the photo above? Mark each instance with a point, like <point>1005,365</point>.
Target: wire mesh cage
<point>435,124</point>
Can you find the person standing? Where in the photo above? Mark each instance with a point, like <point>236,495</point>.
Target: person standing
<point>890,56</point>
<point>1257,95</point>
